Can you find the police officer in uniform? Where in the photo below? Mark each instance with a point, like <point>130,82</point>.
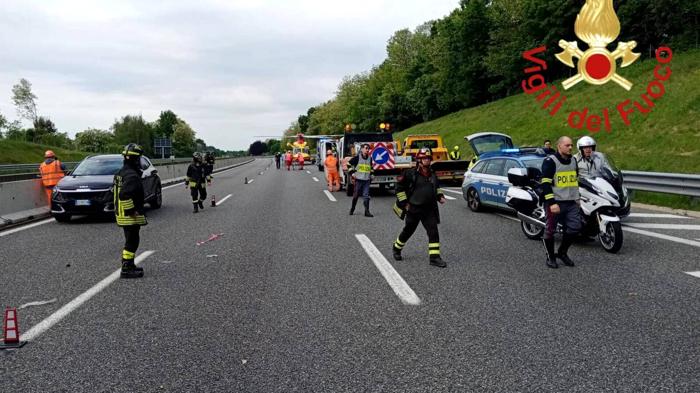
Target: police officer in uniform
<point>589,161</point>
<point>196,178</point>
<point>418,194</point>
<point>561,194</point>
<point>455,154</point>
<point>360,168</point>
<point>128,207</point>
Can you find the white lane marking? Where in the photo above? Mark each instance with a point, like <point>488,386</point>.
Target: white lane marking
<point>694,274</point>
<point>32,225</point>
<point>174,185</point>
<point>396,282</point>
<point>309,172</point>
<point>449,198</point>
<point>658,215</point>
<point>452,191</point>
<point>330,196</point>
<point>315,179</point>
<point>37,303</point>
<point>662,236</point>
<point>508,217</point>
<point>250,180</point>
<point>62,312</point>
<point>223,199</point>
<point>663,226</point>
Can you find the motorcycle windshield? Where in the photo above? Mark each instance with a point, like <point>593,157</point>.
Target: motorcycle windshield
<point>610,172</point>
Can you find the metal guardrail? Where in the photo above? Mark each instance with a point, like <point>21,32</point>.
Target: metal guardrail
<point>667,183</point>
<point>15,172</point>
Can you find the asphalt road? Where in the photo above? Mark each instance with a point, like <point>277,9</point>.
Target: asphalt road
<point>287,299</point>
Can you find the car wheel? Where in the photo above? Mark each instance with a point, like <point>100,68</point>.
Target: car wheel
<point>473,200</point>
<point>62,217</point>
<point>157,201</point>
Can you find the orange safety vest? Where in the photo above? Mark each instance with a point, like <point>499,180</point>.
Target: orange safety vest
<point>331,164</point>
<point>51,173</point>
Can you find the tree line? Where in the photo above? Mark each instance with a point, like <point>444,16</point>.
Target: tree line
<point>127,129</point>
<point>473,56</point>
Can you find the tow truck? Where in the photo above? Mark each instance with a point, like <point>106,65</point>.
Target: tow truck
<point>446,170</point>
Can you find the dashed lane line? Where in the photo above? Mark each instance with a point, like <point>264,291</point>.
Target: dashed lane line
<point>330,196</point>
<point>62,312</point>
<point>250,181</point>
<point>223,199</point>
<point>28,226</point>
<point>683,227</point>
<point>449,198</point>
<point>396,282</point>
<point>694,274</point>
<point>315,178</point>
<point>662,236</point>
<point>309,172</point>
<point>452,191</point>
<point>658,215</point>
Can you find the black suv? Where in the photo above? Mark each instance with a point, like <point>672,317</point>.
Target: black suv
<point>87,190</point>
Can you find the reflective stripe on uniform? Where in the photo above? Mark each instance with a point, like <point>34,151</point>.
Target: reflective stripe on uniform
<point>401,196</point>
<point>433,248</point>
<point>128,254</point>
<point>364,168</point>
<point>549,196</point>
<point>398,244</point>
<point>566,179</point>
<point>546,180</point>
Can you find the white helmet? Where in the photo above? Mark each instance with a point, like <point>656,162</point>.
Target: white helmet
<point>585,141</point>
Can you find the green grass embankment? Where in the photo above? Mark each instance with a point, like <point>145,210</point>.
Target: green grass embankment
<point>20,152</point>
<point>665,140</point>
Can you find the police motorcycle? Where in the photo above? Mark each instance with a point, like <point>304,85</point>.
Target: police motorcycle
<point>604,200</point>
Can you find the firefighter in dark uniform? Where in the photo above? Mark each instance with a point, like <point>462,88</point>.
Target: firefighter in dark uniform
<point>418,194</point>
<point>562,199</point>
<point>208,166</point>
<point>128,207</point>
<point>196,181</point>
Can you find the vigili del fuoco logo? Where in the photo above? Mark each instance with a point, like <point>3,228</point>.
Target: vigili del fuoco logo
<point>598,26</point>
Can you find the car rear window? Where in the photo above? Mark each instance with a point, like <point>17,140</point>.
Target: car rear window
<point>97,166</point>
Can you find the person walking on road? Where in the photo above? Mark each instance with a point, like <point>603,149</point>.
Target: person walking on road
<point>128,207</point>
<point>360,169</point>
<point>196,178</point>
<point>562,200</point>
<point>417,195</point>
<point>52,171</point>
<point>288,160</point>
<point>331,168</point>
<point>455,154</point>
<point>278,158</point>
<point>300,160</point>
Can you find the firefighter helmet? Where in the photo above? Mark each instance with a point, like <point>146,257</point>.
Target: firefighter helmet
<point>424,152</point>
<point>132,149</point>
<point>197,157</point>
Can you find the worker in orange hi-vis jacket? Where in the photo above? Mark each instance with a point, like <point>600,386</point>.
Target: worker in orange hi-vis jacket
<point>288,160</point>
<point>52,171</point>
<point>331,168</point>
<point>300,159</point>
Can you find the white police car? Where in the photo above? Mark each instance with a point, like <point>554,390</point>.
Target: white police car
<point>486,183</point>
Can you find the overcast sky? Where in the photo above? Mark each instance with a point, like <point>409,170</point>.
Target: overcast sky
<point>232,69</point>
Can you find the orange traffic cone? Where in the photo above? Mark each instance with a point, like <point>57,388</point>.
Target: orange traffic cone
<point>213,201</point>
<point>10,330</point>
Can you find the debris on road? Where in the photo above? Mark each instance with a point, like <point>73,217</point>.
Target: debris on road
<point>213,236</point>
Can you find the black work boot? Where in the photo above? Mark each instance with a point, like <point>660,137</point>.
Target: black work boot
<point>201,205</point>
<point>396,252</point>
<point>435,260</point>
<point>130,270</point>
<point>352,208</point>
<point>566,242</point>
<point>196,208</point>
<point>551,260</point>
<point>367,213</point>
